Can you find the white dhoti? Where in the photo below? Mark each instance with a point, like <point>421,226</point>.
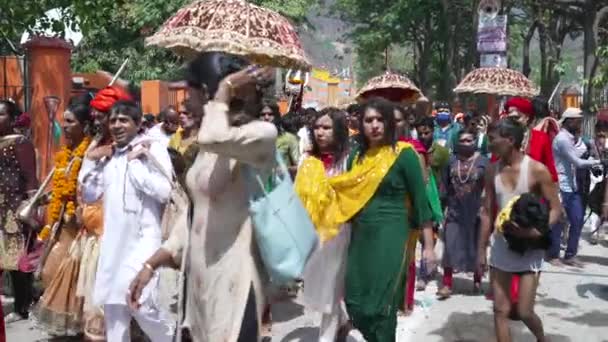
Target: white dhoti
<point>324,283</point>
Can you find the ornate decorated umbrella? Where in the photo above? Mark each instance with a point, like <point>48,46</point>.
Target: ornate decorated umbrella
<point>392,87</point>
<point>233,26</point>
<point>497,81</point>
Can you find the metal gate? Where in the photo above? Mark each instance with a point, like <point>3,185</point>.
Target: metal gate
<point>14,80</point>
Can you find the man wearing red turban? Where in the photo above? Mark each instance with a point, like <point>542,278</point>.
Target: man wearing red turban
<point>101,105</point>
<point>542,130</point>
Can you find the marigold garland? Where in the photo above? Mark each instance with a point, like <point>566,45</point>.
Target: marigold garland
<point>64,184</point>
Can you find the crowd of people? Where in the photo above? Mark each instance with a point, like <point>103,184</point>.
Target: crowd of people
<point>377,179</point>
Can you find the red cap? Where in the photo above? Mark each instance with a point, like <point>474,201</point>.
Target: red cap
<point>523,105</point>
<point>107,97</point>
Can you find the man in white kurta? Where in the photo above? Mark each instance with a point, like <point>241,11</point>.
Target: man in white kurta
<point>134,194</point>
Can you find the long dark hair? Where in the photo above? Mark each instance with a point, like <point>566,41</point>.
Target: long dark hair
<point>386,109</point>
<point>541,107</point>
<point>290,122</point>
<point>340,130</point>
<point>12,109</point>
<point>208,69</point>
<point>276,113</point>
<point>82,112</point>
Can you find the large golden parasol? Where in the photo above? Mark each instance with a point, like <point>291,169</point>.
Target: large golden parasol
<point>391,86</point>
<point>497,81</point>
<point>233,26</point>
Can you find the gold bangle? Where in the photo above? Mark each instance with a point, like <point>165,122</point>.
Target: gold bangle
<point>148,266</point>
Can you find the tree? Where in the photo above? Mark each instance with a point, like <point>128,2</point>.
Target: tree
<point>589,14</point>
<point>116,29</point>
<point>440,34</point>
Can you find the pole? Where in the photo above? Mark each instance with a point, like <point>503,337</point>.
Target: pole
<point>120,70</point>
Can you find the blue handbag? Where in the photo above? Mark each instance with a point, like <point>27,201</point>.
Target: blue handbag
<point>283,230</point>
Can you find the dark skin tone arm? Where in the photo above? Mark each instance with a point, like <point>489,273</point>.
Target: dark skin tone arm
<point>545,188</point>
<point>486,217</point>
<point>161,258</point>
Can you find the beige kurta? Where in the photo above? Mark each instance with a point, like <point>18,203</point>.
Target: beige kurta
<point>222,262</point>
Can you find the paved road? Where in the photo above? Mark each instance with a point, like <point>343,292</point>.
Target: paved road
<point>573,304</point>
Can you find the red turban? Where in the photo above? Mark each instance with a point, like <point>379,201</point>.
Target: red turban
<point>107,97</point>
<point>523,105</point>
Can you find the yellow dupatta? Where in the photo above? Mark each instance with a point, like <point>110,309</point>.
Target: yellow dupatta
<point>333,201</point>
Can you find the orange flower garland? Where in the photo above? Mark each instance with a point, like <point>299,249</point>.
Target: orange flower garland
<point>65,184</point>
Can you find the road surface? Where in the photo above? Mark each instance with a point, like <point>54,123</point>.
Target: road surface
<point>573,304</point>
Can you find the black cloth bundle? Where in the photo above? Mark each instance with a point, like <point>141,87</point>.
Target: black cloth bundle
<point>529,212</point>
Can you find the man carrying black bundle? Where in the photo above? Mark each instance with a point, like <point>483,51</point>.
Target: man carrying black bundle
<point>513,175</point>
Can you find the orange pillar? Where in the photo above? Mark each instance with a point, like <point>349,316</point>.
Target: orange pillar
<point>49,75</point>
<point>154,96</point>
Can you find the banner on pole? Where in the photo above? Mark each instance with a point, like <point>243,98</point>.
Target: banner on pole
<point>492,34</point>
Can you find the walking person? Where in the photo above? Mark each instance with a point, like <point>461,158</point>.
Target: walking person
<point>184,139</point>
<point>567,162</point>
<point>59,311</point>
<point>438,158</point>
<point>326,267</point>
<point>134,191</point>
<point>514,174</point>
<point>445,128</point>
<point>287,143</point>
<point>224,280</point>
<point>17,184</point>
<point>380,229</point>
<point>401,131</point>
<point>464,183</point>
<point>92,213</point>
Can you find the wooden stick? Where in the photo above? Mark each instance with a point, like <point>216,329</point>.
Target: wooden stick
<point>120,70</point>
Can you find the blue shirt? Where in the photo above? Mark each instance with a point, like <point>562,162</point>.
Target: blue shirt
<point>444,136</point>
<point>567,160</point>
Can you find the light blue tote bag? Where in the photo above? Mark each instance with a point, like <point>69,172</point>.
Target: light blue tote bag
<point>283,230</point>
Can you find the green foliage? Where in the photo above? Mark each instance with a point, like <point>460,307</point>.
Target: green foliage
<point>601,78</point>
<point>293,9</point>
<point>437,35</point>
<point>116,29</point>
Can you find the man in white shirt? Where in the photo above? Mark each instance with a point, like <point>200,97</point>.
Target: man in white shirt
<point>163,131</point>
<point>134,191</point>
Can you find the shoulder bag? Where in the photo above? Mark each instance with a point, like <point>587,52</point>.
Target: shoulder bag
<point>283,229</point>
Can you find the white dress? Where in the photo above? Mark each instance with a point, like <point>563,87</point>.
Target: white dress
<point>221,263</point>
<point>324,277</point>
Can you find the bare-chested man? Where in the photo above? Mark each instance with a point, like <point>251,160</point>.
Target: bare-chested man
<point>514,174</point>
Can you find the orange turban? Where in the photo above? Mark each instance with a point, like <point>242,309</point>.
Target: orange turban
<point>107,97</point>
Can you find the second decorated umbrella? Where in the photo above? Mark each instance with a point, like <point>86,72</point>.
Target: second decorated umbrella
<point>497,81</point>
<point>391,86</point>
<point>233,26</point>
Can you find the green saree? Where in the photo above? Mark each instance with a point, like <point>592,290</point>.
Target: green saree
<point>376,268</point>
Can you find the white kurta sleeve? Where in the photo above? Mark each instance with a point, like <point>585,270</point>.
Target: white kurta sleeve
<point>146,177</point>
<point>252,143</point>
<point>90,179</point>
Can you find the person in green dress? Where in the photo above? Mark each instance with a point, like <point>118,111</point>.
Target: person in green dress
<point>377,266</point>
<point>287,143</point>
